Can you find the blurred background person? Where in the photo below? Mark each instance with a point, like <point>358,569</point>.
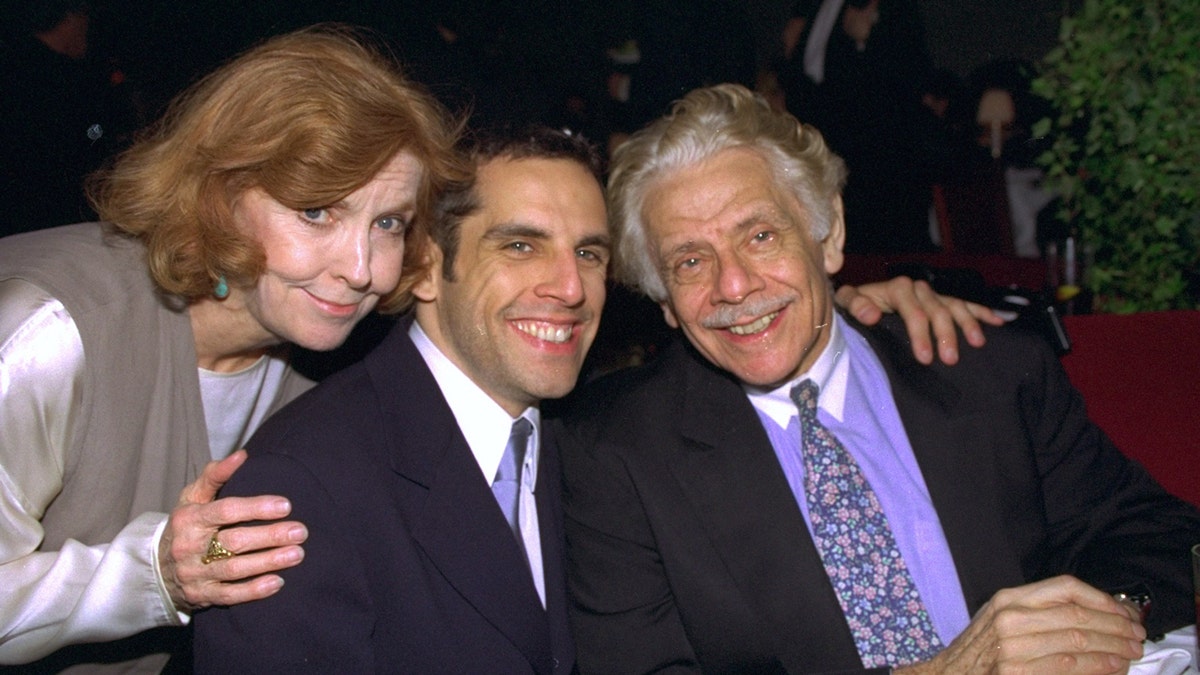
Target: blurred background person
<point>994,199</point>
<point>63,110</point>
<point>864,64</point>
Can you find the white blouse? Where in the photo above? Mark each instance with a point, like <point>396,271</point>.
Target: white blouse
<point>80,593</point>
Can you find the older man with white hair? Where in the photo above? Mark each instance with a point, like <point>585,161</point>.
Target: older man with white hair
<point>788,491</point>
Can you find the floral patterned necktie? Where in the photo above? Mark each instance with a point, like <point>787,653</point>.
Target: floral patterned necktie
<point>877,594</point>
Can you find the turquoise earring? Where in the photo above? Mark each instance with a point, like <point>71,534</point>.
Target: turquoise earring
<point>221,290</point>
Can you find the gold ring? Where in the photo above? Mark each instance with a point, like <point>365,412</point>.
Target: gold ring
<point>216,551</point>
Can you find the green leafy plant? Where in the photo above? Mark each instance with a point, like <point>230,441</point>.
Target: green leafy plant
<point>1124,82</point>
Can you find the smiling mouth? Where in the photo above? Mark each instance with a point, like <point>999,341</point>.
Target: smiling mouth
<point>556,334</point>
<point>753,327</point>
<point>337,308</point>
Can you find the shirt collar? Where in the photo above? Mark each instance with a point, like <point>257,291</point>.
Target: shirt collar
<point>830,372</point>
<point>484,424</point>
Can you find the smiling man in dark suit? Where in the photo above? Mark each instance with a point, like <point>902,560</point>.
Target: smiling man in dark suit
<point>787,491</point>
<point>432,546</point>
<point>397,464</point>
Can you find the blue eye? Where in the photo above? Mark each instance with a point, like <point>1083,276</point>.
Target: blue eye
<point>316,215</point>
<point>392,224</point>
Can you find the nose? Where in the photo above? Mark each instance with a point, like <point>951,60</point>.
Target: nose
<point>562,280</point>
<point>735,279</point>
<point>351,258</point>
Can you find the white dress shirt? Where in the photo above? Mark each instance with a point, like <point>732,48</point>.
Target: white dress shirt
<point>487,427</point>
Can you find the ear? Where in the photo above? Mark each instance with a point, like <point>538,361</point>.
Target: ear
<point>427,287</point>
<point>669,314</point>
<point>831,246</point>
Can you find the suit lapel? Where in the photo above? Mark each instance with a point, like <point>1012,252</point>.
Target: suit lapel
<point>457,524</point>
<point>727,468</point>
<point>550,521</point>
<point>950,435</point>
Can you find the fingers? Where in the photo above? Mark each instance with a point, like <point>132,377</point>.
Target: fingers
<point>945,316</point>
<point>1074,664</point>
<point>212,478</point>
<point>259,549</point>
<point>1069,639</point>
<point>1046,646</point>
<point>232,510</point>
<point>984,314</point>
<point>968,316</point>
<point>1056,591</point>
<point>226,594</point>
<point>1069,627</point>
<point>924,311</point>
<point>1059,625</point>
<point>252,538</point>
<point>861,307</point>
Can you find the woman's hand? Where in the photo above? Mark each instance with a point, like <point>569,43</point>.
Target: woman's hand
<point>922,309</point>
<point>259,549</point>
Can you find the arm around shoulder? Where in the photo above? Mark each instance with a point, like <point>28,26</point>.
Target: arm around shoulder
<point>321,620</point>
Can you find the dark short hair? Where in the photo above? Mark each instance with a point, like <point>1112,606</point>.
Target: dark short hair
<point>508,142</point>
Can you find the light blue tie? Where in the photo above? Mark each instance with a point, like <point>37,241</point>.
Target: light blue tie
<point>507,486</point>
<point>878,596</point>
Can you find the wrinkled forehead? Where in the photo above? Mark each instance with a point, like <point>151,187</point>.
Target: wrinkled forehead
<point>727,193</point>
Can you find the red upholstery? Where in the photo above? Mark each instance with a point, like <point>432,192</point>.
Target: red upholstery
<point>1140,377</point>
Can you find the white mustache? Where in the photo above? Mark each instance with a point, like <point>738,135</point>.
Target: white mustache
<point>732,315</point>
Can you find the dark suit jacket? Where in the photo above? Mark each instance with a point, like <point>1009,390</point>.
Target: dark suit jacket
<point>686,547</point>
<point>409,565</point>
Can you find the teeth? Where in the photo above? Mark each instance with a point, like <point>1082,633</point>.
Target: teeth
<point>755,327</point>
<point>556,334</point>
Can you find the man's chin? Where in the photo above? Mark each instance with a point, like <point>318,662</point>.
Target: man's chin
<point>555,387</point>
<point>761,377</point>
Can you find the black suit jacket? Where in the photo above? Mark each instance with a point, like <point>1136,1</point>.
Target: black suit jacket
<point>410,565</point>
<point>686,547</point>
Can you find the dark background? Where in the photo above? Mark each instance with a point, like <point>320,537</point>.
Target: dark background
<point>163,44</point>
<point>500,61</point>
<point>961,34</point>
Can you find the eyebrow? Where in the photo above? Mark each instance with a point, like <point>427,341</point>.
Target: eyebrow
<point>506,230</point>
<point>693,245</point>
<point>767,214</point>
<point>686,247</point>
<point>763,214</point>
<point>602,240</point>
<point>399,207</point>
